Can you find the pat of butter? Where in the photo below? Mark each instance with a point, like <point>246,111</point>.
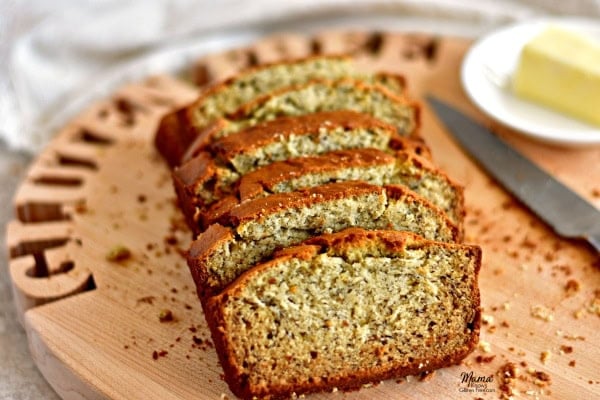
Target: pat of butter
<point>561,69</point>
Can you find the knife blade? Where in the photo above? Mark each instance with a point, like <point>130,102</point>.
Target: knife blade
<point>561,208</point>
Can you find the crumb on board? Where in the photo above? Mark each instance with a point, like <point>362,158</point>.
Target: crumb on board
<point>118,253</point>
<point>545,356</point>
<point>156,354</point>
<point>165,315</point>
<point>507,374</point>
<point>564,349</point>
<point>569,336</point>
<point>484,359</point>
<point>484,346</point>
<point>540,378</point>
<point>594,304</point>
<point>542,313</point>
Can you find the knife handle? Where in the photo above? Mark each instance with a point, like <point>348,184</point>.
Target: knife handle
<point>594,240</point>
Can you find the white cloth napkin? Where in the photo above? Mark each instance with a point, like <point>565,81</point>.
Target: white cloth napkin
<point>59,55</point>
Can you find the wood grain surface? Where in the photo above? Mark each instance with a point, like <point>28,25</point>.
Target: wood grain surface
<point>93,322</point>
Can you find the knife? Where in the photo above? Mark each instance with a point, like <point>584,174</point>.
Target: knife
<point>568,214</point>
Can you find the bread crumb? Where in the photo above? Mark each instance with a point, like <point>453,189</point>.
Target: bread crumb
<point>165,315</point>
<point>156,354</point>
<point>540,378</point>
<point>594,305</point>
<point>566,349</point>
<point>541,312</point>
<point>487,319</point>
<point>484,346</point>
<point>569,336</point>
<point>484,359</point>
<point>118,253</point>
<point>545,356</point>
<point>507,374</point>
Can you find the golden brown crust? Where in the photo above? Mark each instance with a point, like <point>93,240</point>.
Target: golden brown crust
<point>200,249</point>
<point>208,134</point>
<point>205,137</point>
<point>176,131</point>
<point>217,211</point>
<point>459,190</point>
<point>198,171</point>
<point>268,132</point>
<point>336,243</point>
<point>231,213</point>
<point>185,180</point>
<point>222,231</point>
<point>224,84</point>
<point>302,198</point>
<point>261,182</point>
<point>255,184</point>
<point>414,144</point>
<point>173,135</point>
<point>248,108</point>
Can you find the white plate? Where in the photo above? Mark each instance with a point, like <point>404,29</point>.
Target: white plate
<point>500,51</point>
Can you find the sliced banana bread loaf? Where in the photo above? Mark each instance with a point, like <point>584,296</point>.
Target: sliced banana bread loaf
<point>253,230</point>
<point>369,165</point>
<point>211,174</point>
<point>179,128</point>
<point>316,96</point>
<point>344,310</point>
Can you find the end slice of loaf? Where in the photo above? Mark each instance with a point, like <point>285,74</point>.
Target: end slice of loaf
<point>344,310</point>
<point>179,128</point>
<point>315,96</point>
<point>369,165</point>
<point>255,229</point>
<point>210,175</point>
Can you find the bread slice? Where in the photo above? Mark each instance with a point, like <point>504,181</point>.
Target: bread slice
<point>211,174</point>
<point>369,165</point>
<point>253,230</point>
<point>179,128</point>
<point>315,96</point>
<point>347,309</point>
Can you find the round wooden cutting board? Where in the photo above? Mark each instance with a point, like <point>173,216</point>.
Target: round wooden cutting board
<point>110,308</point>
